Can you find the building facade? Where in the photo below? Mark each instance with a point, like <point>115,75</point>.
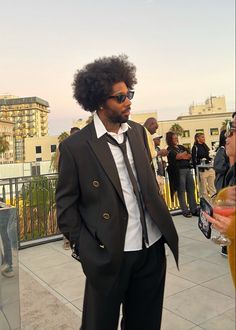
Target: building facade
<point>214,104</point>
<point>29,116</point>
<point>39,149</point>
<point>209,124</point>
<point>6,132</point>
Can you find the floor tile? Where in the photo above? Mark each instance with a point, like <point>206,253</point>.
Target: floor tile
<point>171,321</point>
<point>222,284</point>
<point>71,289</point>
<point>225,321</point>
<point>199,271</point>
<point>56,274</point>
<point>199,249</point>
<point>37,261</point>
<point>175,284</point>
<point>198,304</point>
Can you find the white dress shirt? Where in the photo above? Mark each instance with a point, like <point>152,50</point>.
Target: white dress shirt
<point>133,238</point>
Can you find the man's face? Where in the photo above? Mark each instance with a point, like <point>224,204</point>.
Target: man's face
<point>114,111</point>
<point>153,127</point>
<point>231,142</point>
<point>157,141</point>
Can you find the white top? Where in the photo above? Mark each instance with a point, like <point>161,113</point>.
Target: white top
<point>133,238</point>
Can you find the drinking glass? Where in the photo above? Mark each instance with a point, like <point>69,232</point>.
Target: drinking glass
<point>225,206</point>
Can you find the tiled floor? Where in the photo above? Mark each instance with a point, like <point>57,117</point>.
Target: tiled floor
<point>199,296</point>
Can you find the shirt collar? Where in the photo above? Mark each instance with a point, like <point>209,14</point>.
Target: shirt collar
<point>101,130</point>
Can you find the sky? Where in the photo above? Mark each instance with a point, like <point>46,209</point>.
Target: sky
<point>183,50</point>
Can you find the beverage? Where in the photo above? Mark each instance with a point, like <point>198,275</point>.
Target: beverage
<point>224,211</point>
<point>224,205</point>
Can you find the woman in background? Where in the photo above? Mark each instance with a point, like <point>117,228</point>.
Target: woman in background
<point>227,225</point>
<point>180,175</point>
<point>221,163</point>
<point>200,151</point>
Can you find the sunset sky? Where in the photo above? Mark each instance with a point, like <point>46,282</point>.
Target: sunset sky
<point>183,49</point>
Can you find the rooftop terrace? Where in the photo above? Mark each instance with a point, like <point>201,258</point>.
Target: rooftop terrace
<point>199,296</point>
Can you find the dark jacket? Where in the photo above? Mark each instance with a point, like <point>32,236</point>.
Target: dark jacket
<point>200,151</point>
<point>230,178</point>
<point>90,205</point>
<point>174,166</point>
<point>221,166</point>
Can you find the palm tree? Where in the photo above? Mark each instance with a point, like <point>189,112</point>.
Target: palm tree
<point>55,156</point>
<point>62,136</point>
<point>177,129</point>
<point>89,120</point>
<point>224,124</point>
<point>4,144</point>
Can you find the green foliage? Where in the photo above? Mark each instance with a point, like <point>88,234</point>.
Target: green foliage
<point>89,120</point>
<point>177,129</point>
<point>37,204</point>
<point>4,144</point>
<point>62,136</point>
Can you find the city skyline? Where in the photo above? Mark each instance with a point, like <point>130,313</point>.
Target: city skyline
<point>183,51</point>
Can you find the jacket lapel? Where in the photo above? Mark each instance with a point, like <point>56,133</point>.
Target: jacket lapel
<point>103,153</point>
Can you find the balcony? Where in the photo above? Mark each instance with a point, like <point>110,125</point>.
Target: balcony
<point>200,295</point>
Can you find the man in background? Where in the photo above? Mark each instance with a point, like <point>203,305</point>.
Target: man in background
<point>151,127</point>
<point>160,163</point>
<point>66,242</point>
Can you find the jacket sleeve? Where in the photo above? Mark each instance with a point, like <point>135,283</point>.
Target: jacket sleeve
<point>221,164</point>
<point>194,156</point>
<point>67,195</point>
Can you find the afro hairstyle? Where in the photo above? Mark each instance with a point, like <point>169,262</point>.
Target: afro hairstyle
<point>93,84</point>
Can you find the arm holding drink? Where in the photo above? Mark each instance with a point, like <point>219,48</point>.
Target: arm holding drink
<point>223,220</point>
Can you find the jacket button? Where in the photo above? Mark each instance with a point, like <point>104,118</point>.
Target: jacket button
<point>106,216</point>
<point>96,184</point>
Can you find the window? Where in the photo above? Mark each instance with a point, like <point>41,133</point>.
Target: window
<point>214,131</point>
<point>38,149</point>
<point>53,147</point>
<point>39,159</point>
<point>186,133</point>
<point>199,130</point>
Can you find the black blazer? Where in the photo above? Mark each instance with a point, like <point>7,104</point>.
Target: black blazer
<point>90,203</point>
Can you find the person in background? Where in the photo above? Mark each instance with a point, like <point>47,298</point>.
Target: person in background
<point>151,127</point>
<point>160,163</point>
<point>227,225</point>
<point>200,154</point>
<point>221,163</point>
<point>109,205</point>
<point>180,175</point>
<point>66,242</point>
<point>221,166</point>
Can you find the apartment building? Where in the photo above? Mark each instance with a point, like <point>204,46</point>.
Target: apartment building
<point>39,149</point>
<point>6,132</point>
<point>207,118</point>
<point>214,104</point>
<point>29,116</point>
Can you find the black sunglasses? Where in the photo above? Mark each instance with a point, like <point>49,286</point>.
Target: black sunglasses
<point>122,97</point>
<point>230,129</point>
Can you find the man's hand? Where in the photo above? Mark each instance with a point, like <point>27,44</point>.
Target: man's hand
<point>162,152</point>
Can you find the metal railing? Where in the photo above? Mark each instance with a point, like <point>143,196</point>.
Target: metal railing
<point>34,199</point>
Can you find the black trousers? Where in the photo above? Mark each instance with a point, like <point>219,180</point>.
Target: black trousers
<point>140,290</point>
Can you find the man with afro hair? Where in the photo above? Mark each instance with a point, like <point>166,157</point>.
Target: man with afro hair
<point>109,205</point>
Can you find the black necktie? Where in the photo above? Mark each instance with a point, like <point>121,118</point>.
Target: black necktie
<point>133,180</point>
